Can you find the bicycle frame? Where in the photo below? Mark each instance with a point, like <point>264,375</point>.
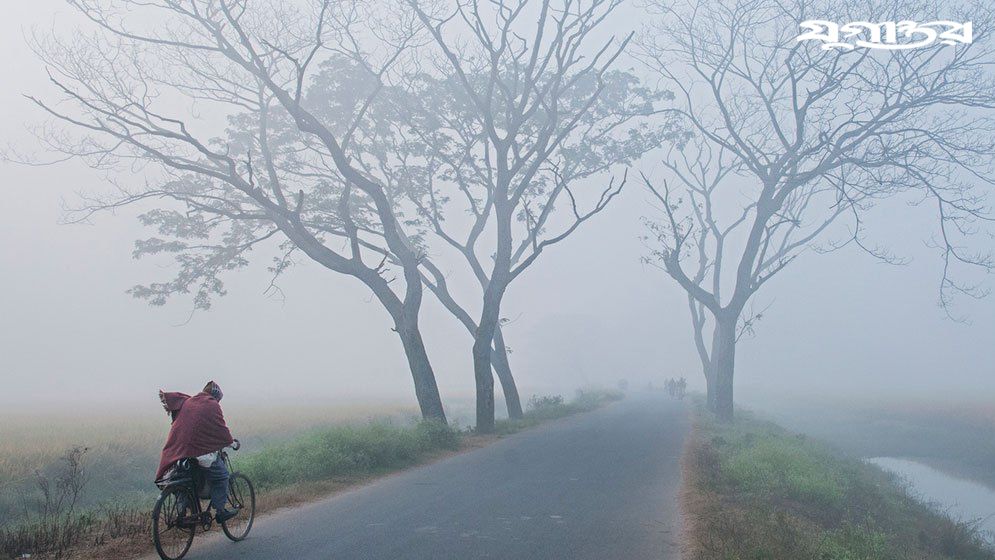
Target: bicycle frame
<point>199,516</point>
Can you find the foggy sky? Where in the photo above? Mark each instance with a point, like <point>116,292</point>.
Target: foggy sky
<point>587,313</point>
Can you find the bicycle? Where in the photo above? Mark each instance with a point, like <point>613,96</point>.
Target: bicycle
<point>179,511</point>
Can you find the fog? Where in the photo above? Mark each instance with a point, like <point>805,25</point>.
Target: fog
<point>588,313</point>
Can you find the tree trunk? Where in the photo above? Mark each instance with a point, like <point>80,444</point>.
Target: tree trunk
<point>499,359</point>
<point>490,313</point>
<point>484,380</point>
<point>426,390</point>
<point>483,341</point>
<point>723,366</point>
<point>709,387</point>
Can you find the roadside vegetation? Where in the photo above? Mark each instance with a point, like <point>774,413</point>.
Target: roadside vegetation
<point>65,507</point>
<point>376,448</point>
<point>756,491</point>
<point>548,407</point>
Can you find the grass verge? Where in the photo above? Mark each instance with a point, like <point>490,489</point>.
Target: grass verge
<point>756,491</point>
<point>316,463</point>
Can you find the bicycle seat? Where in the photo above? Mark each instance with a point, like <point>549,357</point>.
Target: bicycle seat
<point>182,471</point>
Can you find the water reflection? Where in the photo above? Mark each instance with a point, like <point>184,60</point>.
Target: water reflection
<point>962,499</point>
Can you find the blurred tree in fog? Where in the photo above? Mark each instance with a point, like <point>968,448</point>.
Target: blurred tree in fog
<point>791,138</point>
<point>516,121</point>
<point>278,171</point>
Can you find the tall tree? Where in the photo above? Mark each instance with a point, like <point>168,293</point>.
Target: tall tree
<point>527,110</point>
<point>791,137</point>
<point>395,147</point>
<point>279,171</point>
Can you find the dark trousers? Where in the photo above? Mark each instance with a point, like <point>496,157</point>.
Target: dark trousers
<point>217,476</point>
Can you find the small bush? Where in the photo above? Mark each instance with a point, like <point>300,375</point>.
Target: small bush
<point>546,407</point>
<point>537,402</point>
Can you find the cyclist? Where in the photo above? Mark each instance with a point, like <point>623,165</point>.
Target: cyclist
<point>199,431</point>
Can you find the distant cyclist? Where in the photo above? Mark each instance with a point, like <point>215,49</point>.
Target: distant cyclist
<point>199,431</point>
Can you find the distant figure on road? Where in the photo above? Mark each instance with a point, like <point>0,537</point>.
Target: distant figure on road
<point>676,388</point>
<point>199,432</point>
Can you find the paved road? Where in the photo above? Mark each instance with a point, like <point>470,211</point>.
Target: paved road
<point>595,486</point>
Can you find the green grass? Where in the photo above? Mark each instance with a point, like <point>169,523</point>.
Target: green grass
<point>347,450</point>
<point>785,468</point>
<point>758,492</point>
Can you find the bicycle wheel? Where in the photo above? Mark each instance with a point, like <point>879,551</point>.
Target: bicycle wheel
<point>242,498</point>
<point>172,530</point>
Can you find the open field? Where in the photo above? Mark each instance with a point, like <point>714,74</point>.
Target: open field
<point>755,490</point>
<point>288,464</point>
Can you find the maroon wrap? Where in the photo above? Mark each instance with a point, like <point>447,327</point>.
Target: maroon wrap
<point>198,428</point>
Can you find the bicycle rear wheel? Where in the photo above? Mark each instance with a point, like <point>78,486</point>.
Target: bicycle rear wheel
<point>172,531</point>
<point>241,498</point>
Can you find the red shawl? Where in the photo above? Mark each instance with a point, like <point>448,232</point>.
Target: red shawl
<point>198,428</point>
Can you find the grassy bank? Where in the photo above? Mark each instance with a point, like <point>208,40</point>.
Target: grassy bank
<point>316,462</point>
<point>755,491</point>
<point>955,437</point>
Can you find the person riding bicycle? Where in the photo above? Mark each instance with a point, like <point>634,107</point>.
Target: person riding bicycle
<point>199,431</point>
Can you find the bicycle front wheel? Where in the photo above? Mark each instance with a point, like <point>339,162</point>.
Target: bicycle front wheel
<point>241,498</point>
<point>172,529</point>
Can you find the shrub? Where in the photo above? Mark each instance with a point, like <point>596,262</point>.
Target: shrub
<point>539,402</point>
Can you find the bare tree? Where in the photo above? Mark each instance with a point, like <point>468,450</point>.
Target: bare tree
<point>279,171</point>
<point>793,143</point>
<point>393,149</point>
<point>527,109</point>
